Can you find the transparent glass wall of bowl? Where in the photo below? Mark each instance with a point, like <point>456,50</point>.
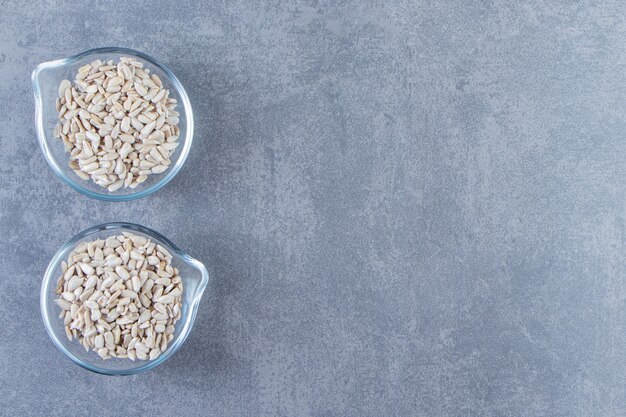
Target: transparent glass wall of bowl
<point>46,80</point>
<point>194,276</point>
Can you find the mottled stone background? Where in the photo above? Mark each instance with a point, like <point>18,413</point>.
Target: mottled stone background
<point>408,208</point>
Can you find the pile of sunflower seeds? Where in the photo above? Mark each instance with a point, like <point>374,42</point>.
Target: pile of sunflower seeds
<point>120,297</point>
<point>117,122</point>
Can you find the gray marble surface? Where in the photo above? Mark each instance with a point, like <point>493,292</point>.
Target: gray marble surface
<point>408,208</point>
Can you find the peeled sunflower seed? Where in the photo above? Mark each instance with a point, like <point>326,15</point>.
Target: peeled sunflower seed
<point>120,306</point>
<point>110,113</point>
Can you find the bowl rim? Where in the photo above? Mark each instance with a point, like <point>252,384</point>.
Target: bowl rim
<point>44,145</point>
<point>44,297</point>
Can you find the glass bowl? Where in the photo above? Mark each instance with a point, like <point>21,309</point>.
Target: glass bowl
<point>46,79</point>
<point>194,276</point>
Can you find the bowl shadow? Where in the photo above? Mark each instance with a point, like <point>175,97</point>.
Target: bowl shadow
<point>210,347</point>
<point>223,130</point>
